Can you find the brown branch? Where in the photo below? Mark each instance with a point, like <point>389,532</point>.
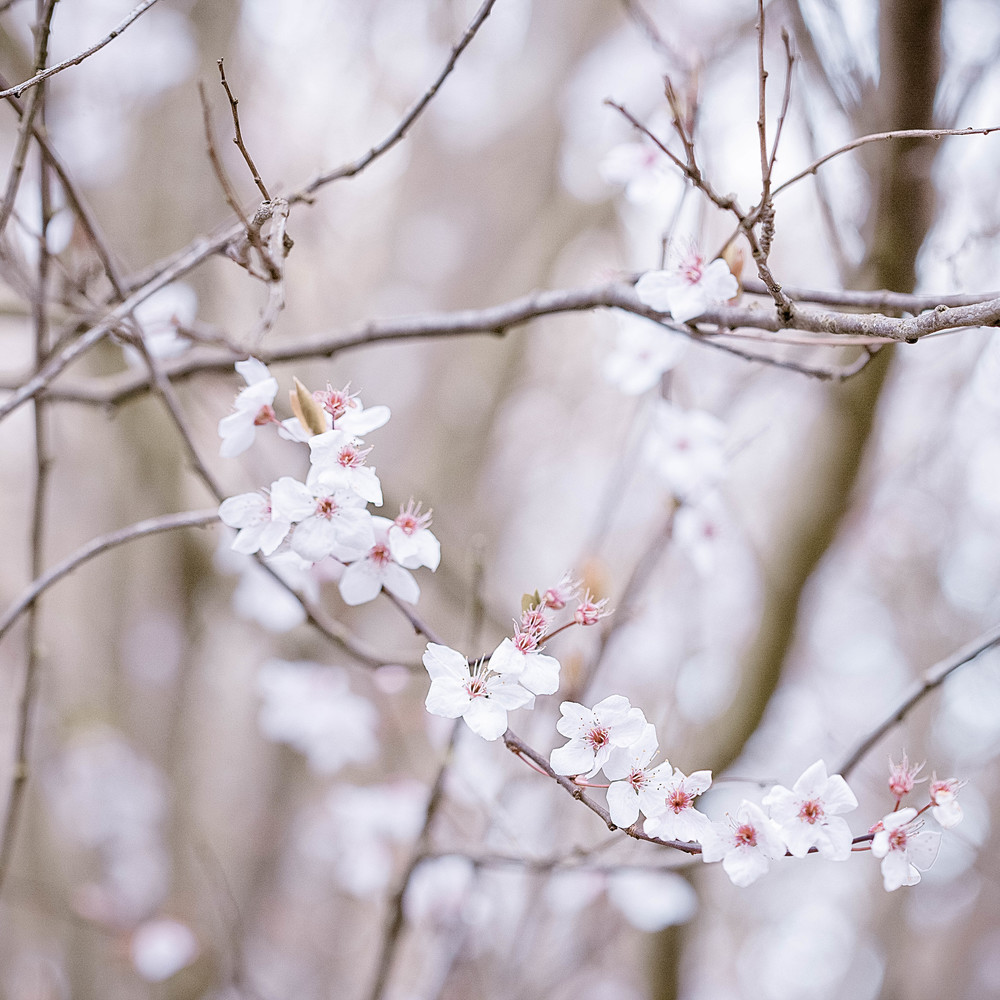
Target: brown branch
<point>356,166</point>
<point>934,677</point>
<point>19,89</point>
<point>238,139</point>
<point>908,133</point>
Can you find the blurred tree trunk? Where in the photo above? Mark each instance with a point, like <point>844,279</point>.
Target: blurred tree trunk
<point>902,200</point>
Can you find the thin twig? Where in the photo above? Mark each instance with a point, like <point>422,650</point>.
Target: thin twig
<point>786,98</point>
<point>97,546</point>
<point>238,139</point>
<point>765,172</point>
<point>516,745</point>
<point>394,921</point>
<point>19,89</point>
<point>933,678</point>
<point>909,133</point>
<point>356,166</point>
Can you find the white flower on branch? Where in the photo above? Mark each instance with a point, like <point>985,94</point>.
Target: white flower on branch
<point>679,820</point>
<point>689,289</point>
<point>327,521</point>
<point>635,785</point>
<point>251,409</point>
<point>364,578</point>
<point>479,695</point>
<point>808,813</point>
<point>905,849</point>
<point>593,733</point>
<point>746,844</point>
<point>259,530</point>
<point>686,448</point>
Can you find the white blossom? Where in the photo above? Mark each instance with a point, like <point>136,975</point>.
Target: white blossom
<point>594,733</point>
<point>905,849</point>
<point>679,820</point>
<point>478,695</point>
<point>689,289</point>
<point>809,813</point>
<point>251,408</point>
<point>746,844</point>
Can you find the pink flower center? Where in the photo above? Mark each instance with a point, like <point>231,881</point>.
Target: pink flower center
<point>352,457</point>
<point>326,507</point>
<point>475,687</point>
<point>637,779</point>
<point>746,835</point>
<point>897,839</point>
<point>380,554</point>
<point>265,415</point>
<point>691,269</point>
<point>679,800</point>
<point>525,642</point>
<point>811,812</point>
<point>598,737</point>
<point>411,520</point>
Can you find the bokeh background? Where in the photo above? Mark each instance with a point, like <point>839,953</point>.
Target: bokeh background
<point>203,820</point>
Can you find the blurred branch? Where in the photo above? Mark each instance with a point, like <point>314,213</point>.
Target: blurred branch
<point>934,677</point>
<point>908,133</point>
<point>20,88</point>
<point>97,546</point>
<point>356,166</point>
<point>238,138</point>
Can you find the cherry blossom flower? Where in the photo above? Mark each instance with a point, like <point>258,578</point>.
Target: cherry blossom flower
<point>338,462</point>
<point>944,796</point>
<point>342,411</point>
<point>311,707</point>
<point>327,521</point>
<point>259,530</point>
<point>160,317</point>
<point>252,408</point>
<point>594,733</point>
<point>686,448</point>
<point>480,696</point>
<point>561,594</point>
<point>905,849</point>
<point>746,844</point>
<point>411,542</point>
<point>519,657</point>
<point>160,948</point>
<point>679,820</point>
<point>650,901</point>
<point>643,352</point>
<point>808,813</point>
<point>365,577</point>
<point>697,532</point>
<point>589,611</point>
<point>688,290</point>
<point>634,785</point>
<point>639,167</point>
<point>903,777</point>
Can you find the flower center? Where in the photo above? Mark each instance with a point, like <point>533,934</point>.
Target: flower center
<point>811,812</point>
<point>746,835</point>
<point>679,800</point>
<point>598,737</point>
<point>326,507</point>
<point>265,415</point>
<point>897,839</point>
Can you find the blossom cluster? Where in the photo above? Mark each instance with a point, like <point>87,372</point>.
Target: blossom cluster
<point>325,520</point>
<point>482,693</point>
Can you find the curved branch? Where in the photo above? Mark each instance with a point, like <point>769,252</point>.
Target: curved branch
<point>934,677</point>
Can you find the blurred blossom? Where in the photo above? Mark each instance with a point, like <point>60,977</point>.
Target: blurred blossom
<point>572,890</point>
<point>104,795</point>
<point>643,352</point>
<point>161,948</point>
<point>101,789</point>
<point>439,891</point>
<point>160,316</point>
<point>311,707</point>
<point>642,169</point>
<point>685,448</point>
<point>651,901</point>
<point>356,829</point>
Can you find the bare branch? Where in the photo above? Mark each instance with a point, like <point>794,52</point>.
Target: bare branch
<point>19,89</point>
<point>356,166</point>
<point>934,677</point>
<point>908,133</point>
<point>97,546</point>
<point>238,139</point>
